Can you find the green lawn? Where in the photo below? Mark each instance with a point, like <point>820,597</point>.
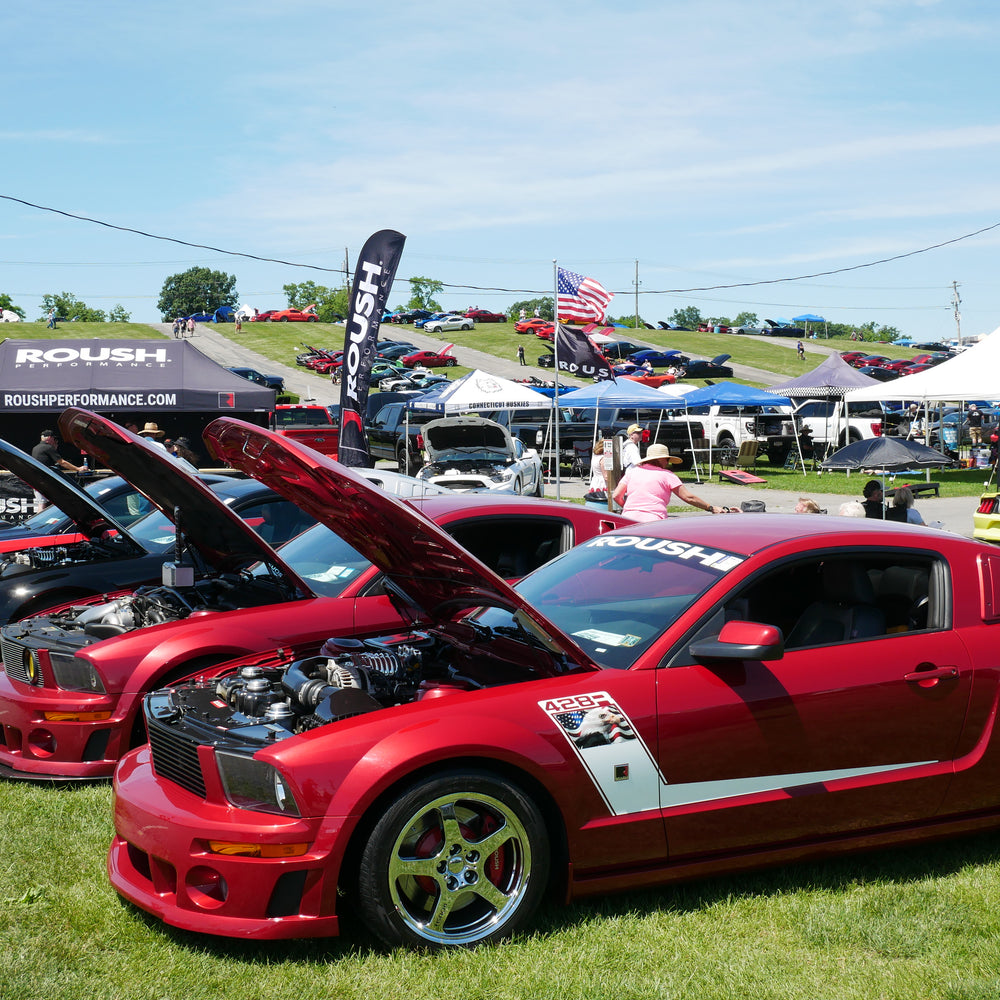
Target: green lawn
<point>921,923</point>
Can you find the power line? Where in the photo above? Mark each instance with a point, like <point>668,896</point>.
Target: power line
<point>493,288</point>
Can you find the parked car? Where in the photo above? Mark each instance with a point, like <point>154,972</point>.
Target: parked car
<point>264,315</point>
<point>419,324</point>
<point>685,698</point>
<point>429,359</point>
<point>621,349</point>
<point>449,322</point>
<point>275,382</point>
<point>485,316</point>
<point>396,350</point>
<point>471,453</point>
<point>879,373</point>
<point>533,325</point>
<point>102,556</point>
<point>307,315</point>
<point>658,358</point>
<point>699,368</point>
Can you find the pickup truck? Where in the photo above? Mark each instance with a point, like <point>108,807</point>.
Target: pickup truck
<point>313,425</point>
<point>771,426</point>
<point>829,427</point>
<point>394,434</point>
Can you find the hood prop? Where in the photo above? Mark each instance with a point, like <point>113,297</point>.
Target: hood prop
<point>178,573</point>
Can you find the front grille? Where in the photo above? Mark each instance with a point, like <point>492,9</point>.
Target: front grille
<point>174,757</point>
<point>12,654</point>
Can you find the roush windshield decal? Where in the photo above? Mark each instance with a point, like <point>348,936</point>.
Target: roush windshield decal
<point>714,559</point>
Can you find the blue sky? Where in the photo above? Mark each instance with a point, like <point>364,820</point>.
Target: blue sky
<point>717,143</point>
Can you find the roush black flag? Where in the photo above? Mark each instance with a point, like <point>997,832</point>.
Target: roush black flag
<point>577,355</point>
<point>372,281</point>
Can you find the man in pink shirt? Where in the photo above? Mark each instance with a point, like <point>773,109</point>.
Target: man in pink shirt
<point>646,488</point>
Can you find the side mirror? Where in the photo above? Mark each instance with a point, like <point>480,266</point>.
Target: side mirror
<point>741,641</point>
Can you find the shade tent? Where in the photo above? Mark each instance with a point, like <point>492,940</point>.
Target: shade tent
<point>47,376</point>
<point>969,375</point>
<point>808,318</point>
<point>479,391</point>
<point>733,394</point>
<point>608,393</point>
<point>833,378</point>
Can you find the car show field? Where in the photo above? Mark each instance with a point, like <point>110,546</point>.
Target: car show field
<point>552,806</point>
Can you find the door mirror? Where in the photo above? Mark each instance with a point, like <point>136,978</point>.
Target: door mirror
<point>741,641</point>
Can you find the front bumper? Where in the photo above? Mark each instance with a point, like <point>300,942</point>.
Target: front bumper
<point>161,861</point>
<point>35,745</point>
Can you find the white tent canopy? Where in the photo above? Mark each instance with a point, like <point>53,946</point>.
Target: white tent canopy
<point>973,374</point>
<point>481,391</point>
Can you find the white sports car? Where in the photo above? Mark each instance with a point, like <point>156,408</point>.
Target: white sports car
<point>471,454</point>
<point>449,323</point>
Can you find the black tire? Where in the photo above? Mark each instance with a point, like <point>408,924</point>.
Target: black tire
<point>282,319</point>
<point>539,486</point>
<point>452,363</point>
<point>459,859</point>
<point>404,463</point>
<point>518,487</point>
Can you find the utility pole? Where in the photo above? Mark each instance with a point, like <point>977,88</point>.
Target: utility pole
<point>347,269</point>
<point>637,295</point>
<point>955,302</point>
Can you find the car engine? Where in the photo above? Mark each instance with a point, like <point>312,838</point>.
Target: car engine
<point>348,677</point>
<point>46,557</point>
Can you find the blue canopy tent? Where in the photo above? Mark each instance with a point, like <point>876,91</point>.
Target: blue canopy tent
<point>808,318</point>
<point>738,395</point>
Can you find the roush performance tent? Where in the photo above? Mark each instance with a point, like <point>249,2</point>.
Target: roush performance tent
<point>47,376</point>
<point>167,382</point>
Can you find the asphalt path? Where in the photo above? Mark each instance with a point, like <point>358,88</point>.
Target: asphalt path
<point>953,514</point>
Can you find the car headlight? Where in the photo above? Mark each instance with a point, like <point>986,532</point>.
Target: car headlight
<point>72,673</point>
<point>252,784</point>
<point>501,475</point>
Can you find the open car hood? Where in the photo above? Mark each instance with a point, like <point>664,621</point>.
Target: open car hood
<point>421,561</point>
<point>450,436</point>
<point>223,539</point>
<point>88,515</point>
<point>721,359</point>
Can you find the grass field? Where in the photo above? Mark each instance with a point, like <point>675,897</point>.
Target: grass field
<point>915,923</point>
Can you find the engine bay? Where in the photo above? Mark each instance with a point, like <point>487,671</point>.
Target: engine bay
<point>348,677</point>
<point>46,557</point>
<point>154,605</point>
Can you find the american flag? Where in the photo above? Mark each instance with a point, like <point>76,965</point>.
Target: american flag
<point>570,721</point>
<point>580,299</point>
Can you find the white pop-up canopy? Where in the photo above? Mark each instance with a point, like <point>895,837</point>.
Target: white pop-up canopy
<point>973,374</point>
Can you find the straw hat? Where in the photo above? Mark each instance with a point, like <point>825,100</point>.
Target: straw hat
<point>656,451</point>
<point>632,429</point>
<point>152,430</point>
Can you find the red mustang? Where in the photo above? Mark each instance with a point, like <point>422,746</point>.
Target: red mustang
<point>307,315</point>
<point>485,316</point>
<point>675,699</point>
<point>429,359</point>
<point>534,325</point>
<point>112,650</point>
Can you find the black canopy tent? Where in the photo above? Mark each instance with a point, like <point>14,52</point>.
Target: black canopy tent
<point>168,382</point>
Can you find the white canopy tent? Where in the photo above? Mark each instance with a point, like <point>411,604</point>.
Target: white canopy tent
<point>973,374</point>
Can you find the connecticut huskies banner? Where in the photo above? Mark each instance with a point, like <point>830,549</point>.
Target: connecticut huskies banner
<point>369,294</point>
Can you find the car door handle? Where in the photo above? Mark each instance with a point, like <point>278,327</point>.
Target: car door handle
<point>938,673</point>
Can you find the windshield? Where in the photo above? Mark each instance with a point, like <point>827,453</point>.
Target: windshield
<point>321,558</point>
<point>120,501</point>
<point>615,594</point>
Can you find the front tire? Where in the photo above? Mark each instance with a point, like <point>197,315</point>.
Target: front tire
<point>460,859</point>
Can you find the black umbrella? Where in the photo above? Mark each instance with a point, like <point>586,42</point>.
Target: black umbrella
<point>885,454</point>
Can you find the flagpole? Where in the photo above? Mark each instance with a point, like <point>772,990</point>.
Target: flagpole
<point>555,366</point>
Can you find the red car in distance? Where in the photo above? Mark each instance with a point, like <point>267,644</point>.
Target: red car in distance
<point>429,359</point>
<point>306,315</point>
<point>485,316</point>
<point>533,325</point>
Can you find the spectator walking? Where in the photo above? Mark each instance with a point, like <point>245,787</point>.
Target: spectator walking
<point>801,351</point>
<point>51,325</point>
<point>975,420</point>
<point>520,354</point>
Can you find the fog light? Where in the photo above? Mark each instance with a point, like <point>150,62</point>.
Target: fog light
<point>41,742</point>
<point>206,887</point>
<point>76,716</point>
